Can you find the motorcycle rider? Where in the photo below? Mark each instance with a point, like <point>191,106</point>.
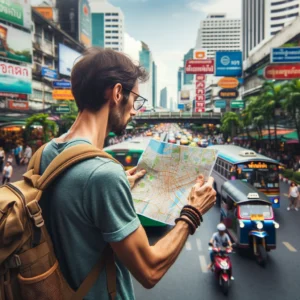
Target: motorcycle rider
<point>217,240</point>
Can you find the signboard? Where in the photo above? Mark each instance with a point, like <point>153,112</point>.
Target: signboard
<point>61,109</point>
<point>45,11</point>
<point>200,54</point>
<point>62,95</point>
<point>237,104</point>
<point>282,71</point>
<point>200,66</point>
<point>228,83</point>
<point>16,11</point>
<point>12,95</point>
<point>15,44</point>
<point>220,104</point>
<point>285,55</point>
<point>185,95</point>
<point>15,79</point>
<point>200,92</point>
<point>200,77</point>
<point>228,94</point>
<point>18,105</point>
<point>199,110</point>
<point>62,84</point>
<point>229,63</point>
<point>85,23</point>
<point>200,104</point>
<point>181,106</point>
<point>67,58</point>
<point>200,85</point>
<point>200,98</point>
<point>46,72</point>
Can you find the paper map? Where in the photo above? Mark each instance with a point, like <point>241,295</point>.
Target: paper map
<point>172,170</point>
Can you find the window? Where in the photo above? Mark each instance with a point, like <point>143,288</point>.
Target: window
<point>107,31</point>
<point>115,31</point>
<point>38,30</point>
<point>284,9</point>
<point>115,20</point>
<point>285,17</point>
<point>107,43</point>
<point>115,14</point>
<point>281,2</point>
<point>108,20</point>
<point>48,35</point>
<point>108,14</point>
<point>109,25</point>
<point>48,96</point>
<point>48,62</point>
<point>277,25</point>
<point>115,26</point>
<point>117,49</point>
<point>115,43</point>
<point>114,37</point>
<point>37,94</point>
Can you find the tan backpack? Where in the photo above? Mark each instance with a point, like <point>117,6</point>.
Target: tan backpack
<point>29,269</point>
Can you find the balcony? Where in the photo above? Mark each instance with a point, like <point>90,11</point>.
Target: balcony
<point>43,45</point>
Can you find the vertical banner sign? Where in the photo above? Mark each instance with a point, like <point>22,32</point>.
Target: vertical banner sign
<point>85,23</point>
<point>200,77</point>
<point>200,85</point>
<point>199,110</point>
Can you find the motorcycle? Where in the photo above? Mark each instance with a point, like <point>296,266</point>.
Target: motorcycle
<point>222,266</point>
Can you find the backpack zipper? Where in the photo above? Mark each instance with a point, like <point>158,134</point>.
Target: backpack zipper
<point>19,193</point>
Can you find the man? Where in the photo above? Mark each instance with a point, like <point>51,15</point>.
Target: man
<point>91,204</point>
<point>27,155</point>
<point>218,239</point>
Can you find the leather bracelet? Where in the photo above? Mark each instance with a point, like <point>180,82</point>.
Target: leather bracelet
<point>193,213</point>
<point>192,227</point>
<point>195,210</point>
<point>190,216</point>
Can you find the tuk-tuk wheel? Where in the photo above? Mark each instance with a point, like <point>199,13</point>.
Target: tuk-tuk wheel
<point>261,255</point>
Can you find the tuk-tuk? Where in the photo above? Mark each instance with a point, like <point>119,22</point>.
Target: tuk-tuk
<point>249,218</point>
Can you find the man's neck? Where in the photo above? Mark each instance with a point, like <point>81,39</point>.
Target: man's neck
<point>92,126</point>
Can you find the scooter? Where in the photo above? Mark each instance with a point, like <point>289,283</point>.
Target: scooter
<point>222,266</point>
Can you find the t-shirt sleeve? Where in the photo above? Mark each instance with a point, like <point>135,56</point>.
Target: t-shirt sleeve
<point>109,204</point>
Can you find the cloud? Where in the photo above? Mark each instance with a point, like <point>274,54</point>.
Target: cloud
<point>132,47</point>
<point>218,6</point>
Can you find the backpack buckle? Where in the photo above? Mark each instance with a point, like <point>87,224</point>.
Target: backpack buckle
<point>13,262</point>
<point>35,212</point>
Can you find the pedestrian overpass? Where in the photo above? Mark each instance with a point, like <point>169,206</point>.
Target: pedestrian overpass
<point>178,117</point>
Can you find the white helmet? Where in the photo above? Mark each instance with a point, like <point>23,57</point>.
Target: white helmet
<point>221,227</point>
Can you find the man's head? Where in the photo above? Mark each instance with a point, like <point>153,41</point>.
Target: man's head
<point>106,77</point>
<point>221,228</point>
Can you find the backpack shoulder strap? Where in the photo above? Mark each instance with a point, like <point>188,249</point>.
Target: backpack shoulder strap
<point>35,160</point>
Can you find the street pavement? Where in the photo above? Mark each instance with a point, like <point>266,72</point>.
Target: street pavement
<point>188,278</point>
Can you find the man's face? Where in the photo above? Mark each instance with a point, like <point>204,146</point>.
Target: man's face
<point>121,114</point>
<point>221,232</point>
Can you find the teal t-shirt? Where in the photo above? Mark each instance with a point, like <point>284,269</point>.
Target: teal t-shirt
<point>87,207</point>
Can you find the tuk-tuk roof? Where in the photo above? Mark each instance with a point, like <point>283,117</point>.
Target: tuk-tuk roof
<point>241,192</point>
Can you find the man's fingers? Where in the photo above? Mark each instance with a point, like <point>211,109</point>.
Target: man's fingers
<point>210,181</point>
<point>132,171</point>
<point>139,174</point>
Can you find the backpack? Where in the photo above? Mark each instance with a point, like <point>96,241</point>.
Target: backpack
<point>29,269</point>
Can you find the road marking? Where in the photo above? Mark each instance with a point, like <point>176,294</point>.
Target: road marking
<point>203,264</point>
<point>199,244</point>
<point>188,246</point>
<point>289,246</point>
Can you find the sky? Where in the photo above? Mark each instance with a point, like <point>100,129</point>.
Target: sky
<point>169,28</point>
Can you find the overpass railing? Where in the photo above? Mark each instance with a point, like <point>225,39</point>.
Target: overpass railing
<point>179,115</point>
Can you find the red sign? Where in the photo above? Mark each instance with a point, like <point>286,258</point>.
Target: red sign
<point>200,85</point>
<point>200,98</point>
<point>200,66</point>
<point>200,77</point>
<point>18,105</point>
<point>12,95</point>
<point>200,104</point>
<point>198,109</point>
<point>282,71</point>
<point>200,92</point>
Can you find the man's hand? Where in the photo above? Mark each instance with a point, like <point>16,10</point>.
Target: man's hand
<point>202,195</point>
<point>133,176</point>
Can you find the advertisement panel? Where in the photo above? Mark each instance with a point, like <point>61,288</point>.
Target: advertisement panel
<point>15,79</point>
<point>67,58</point>
<point>229,63</point>
<point>200,98</point>
<point>61,84</point>
<point>46,72</point>
<point>45,11</point>
<point>200,91</point>
<point>62,95</point>
<point>15,44</point>
<point>200,85</point>
<point>228,94</point>
<point>200,77</point>
<point>282,71</point>
<point>18,105</point>
<point>181,106</point>
<point>16,11</point>
<point>199,110</point>
<point>200,104</point>
<point>185,95</point>
<point>220,104</point>
<point>285,55</point>
<point>60,109</point>
<point>200,66</point>
<point>200,53</point>
<point>85,23</point>
<point>237,104</point>
<point>12,95</point>
<point>228,83</point>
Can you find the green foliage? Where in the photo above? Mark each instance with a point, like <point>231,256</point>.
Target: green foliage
<point>288,173</point>
<point>297,177</point>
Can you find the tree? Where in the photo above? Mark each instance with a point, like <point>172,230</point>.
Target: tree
<point>291,103</point>
<point>230,123</point>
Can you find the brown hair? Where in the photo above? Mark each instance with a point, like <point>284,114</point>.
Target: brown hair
<point>99,69</point>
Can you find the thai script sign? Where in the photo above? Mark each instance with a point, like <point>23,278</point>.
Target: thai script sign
<point>62,95</point>
<point>229,63</point>
<point>18,105</point>
<point>200,77</point>
<point>228,94</point>
<point>228,83</point>
<point>200,66</point>
<point>282,71</point>
<point>285,55</point>
<point>200,98</point>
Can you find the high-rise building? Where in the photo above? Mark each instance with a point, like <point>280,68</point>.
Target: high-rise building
<point>264,18</point>
<point>188,78</point>
<point>164,98</point>
<point>107,25</point>
<point>219,33</point>
<point>154,84</point>
<point>180,78</point>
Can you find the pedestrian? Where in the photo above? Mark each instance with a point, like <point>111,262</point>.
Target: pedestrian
<point>17,153</point>
<point>27,155</point>
<point>10,159</point>
<point>2,158</point>
<point>7,173</point>
<point>293,196</point>
<point>91,204</point>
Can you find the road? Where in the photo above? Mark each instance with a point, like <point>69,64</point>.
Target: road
<point>188,278</point>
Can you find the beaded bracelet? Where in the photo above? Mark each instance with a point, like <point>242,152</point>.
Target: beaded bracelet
<point>195,210</point>
<point>193,213</point>
<point>191,217</point>
<point>189,222</point>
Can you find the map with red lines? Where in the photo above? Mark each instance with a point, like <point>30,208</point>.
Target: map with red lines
<point>172,170</point>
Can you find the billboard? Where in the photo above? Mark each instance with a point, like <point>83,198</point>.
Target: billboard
<point>237,104</point>
<point>228,83</point>
<point>15,79</point>
<point>282,71</point>
<point>220,104</point>
<point>63,94</point>
<point>15,44</point>
<point>229,63</point>
<point>18,105</point>
<point>45,11</point>
<point>285,55</point>
<point>85,23</point>
<point>16,11</point>
<point>200,66</point>
<point>200,54</point>
<point>228,93</point>
<point>185,95</point>
<point>49,73</point>
<point>67,58</point>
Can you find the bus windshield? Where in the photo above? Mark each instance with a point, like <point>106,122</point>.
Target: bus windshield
<point>260,175</point>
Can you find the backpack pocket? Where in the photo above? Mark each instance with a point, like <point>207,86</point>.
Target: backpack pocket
<point>47,286</point>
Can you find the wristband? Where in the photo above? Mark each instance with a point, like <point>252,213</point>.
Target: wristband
<point>191,217</point>
<point>192,227</point>
<point>195,210</point>
<point>193,213</point>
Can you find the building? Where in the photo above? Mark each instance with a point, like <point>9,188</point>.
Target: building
<point>107,25</point>
<point>262,19</point>
<point>188,78</point>
<point>219,33</point>
<point>164,98</point>
<point>154,84</point>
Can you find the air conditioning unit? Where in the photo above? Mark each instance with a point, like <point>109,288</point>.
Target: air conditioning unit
<point>247,153</point>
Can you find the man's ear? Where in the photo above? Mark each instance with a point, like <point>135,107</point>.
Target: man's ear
<point>117,93</point>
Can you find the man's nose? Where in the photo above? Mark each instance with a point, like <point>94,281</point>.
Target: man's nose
<point>133,112</point>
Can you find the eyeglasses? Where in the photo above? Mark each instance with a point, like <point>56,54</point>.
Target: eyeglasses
<point>138,102</point>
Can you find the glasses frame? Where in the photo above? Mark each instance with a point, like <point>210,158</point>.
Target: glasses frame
<point>139,96</point>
